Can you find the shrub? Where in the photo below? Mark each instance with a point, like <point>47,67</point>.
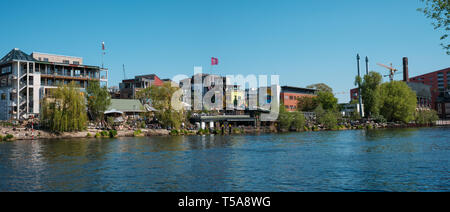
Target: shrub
<point>8,137</point>
<point>112,133</point>
<point>174,132</point>
<point>425,117</point>
<point>88,135</point>
<point>104,133</point>
<point>236,131</point>
<point>137,132</point>
<point>98,135</point>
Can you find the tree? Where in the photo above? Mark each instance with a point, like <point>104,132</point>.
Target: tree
<point>307,104</point>
<point>438,10</point>
<point>64,110</point>
<point>298,120</point>
<point>397,102</point>
<point>425,117</point>
<point>368,92</point>
<point>327,118</point>
<point>284,118</point>
<point>160,98</point>
<point>327,100</point>
<point>321,87</point>
<point>98,100</point>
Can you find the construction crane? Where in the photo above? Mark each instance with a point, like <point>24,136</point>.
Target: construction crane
<point>392,71</point>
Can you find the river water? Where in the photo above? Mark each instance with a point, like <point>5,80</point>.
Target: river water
<point>376,160</point>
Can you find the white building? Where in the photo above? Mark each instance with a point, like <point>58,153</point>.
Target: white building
<point>27,79</point>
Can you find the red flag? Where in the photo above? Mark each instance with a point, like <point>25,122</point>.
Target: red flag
<point>103,46</point>
<point>214,61</point>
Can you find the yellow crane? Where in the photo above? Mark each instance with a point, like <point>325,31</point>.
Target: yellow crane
<point>392,71</point>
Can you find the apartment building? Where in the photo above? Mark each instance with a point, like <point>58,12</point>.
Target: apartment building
<point>129,87</point>
<point>26,79</point>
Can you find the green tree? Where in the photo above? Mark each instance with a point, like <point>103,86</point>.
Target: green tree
<point>284,118</point>
<point>98,100</point>
<point>327,100</point>
<point>307,104</point>
<point>321,87</point>
<point>160,98</point>
<point>64,110</point>
<point>368,92</point>
<point>438,11</point>
<point>298,120</point>
<point>425,117</point>
<point>327,118</point>
<point>397,102</point>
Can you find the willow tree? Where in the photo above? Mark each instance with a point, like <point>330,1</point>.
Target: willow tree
<point>64,110</point>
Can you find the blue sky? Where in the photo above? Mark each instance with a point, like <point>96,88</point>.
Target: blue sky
<point>304,41</point>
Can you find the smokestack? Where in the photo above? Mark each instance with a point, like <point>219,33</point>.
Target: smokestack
<point>405,70</point>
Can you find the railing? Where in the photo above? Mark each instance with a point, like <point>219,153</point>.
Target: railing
<point>443,122</point>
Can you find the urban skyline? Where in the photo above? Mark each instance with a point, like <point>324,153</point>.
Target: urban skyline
<point>312,42</point>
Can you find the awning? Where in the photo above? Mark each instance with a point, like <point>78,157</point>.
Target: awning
<point>113,111</point>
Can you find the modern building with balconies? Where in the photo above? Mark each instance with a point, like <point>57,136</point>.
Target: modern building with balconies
<point>26,79</point>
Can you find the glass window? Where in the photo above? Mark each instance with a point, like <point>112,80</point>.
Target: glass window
<point>3,96</point>
<point>76,63</point>
<point>66,62</point>
<point>46,59</point>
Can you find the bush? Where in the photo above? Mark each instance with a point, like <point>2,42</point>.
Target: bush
<point>298,121</point>
<point>112,133</point>
<point>104,133</point>
<point>236,131</point>
<point>137,132</point>
<point>98,135</point>
<point>8,137</point>
<point>88,135</point>
<point>174,132</point>
<point>328,119</point>
<point>425,117</point>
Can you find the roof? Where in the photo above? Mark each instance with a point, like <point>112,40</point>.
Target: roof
<point>16,54</point>
<point>422,90</point>
<point>442,70</point>
<point>126,105</point>
<point>291,89</point>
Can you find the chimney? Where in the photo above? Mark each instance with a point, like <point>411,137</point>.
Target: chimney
<point>405,70</point>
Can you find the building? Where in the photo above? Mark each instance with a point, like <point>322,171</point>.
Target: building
<point>289,96</point>
<point>27,79</point>
<point>129,87</point>
<point>439,81</point>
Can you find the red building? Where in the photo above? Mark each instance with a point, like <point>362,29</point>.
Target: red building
<point>289,96</point>
<point>354,94</point>
<point>440,86</point>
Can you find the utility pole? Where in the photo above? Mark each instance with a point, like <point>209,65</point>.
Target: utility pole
<point>358,58</point>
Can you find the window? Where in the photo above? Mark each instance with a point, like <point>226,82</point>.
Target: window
<point>76,63</point>
<point>3,96</point>
<point>291,98</point>
<point>46,59</point>
<point>66,62</point>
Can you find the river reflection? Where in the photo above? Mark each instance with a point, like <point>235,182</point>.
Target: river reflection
<point>374,160</point>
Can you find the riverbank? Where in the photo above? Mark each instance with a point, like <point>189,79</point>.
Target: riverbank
<point>14,133</point>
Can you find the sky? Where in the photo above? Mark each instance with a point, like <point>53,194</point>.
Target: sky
<point>303,41</point>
